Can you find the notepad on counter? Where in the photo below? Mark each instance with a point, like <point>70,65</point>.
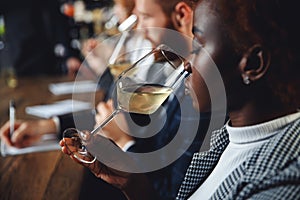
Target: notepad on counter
<point>72,87</point>
<point>58,108</point>
<point>48,142</point>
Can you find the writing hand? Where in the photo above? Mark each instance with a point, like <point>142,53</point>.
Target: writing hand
<point>26,133</point>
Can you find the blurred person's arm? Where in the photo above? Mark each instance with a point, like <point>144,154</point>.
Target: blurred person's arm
<point>28,132</point>
<point>117,129</point>
<point>96,54</point>
<point>73,65</point>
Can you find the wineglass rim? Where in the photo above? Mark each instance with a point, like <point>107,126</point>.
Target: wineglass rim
<point>162,48</point>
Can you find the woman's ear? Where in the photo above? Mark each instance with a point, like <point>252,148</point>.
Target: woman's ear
<point>254,64</point>
<point>182,18</point>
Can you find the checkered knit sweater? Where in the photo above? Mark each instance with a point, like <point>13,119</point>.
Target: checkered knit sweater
<point>272,171</point>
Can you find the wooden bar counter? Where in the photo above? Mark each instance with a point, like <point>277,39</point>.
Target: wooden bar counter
<point>42,175</point>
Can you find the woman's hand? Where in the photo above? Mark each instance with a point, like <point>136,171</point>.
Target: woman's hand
<point>133,185</point>
<point>114,177</point>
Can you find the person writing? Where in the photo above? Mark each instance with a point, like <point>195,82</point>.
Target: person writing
<point>170,177</point>
<point>166,181</point>
<point>28,132</point>
<point>256,154</point>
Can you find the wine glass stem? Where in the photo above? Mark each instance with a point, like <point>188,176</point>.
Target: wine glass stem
<point>106,121</point>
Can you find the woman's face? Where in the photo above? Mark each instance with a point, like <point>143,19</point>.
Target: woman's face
<point>206,83</point>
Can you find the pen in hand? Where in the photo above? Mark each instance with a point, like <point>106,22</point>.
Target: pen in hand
<point>12,115</point>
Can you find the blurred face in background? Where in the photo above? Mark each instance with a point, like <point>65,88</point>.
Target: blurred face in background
<point>150,14</point>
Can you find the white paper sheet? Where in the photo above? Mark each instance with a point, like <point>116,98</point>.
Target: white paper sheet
<point>48,142</point>
<point>57,108</point>
<point>72,87</point>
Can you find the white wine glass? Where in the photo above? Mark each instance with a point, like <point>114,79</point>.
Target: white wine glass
<point>120,64</point>
<point>141,89</point>
<point>127,51</point>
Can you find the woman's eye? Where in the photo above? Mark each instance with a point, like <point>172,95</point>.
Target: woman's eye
<point>198,42</point>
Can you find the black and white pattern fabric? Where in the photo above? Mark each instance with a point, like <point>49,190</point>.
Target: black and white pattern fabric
<point>203,163</point>
<point>272,172</point>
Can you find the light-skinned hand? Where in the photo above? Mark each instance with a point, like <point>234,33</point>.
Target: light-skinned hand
<point>116,129</point>
<point>26,132</point>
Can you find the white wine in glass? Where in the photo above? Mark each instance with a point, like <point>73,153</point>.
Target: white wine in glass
<point>142,99</point>
<point>141,89</point>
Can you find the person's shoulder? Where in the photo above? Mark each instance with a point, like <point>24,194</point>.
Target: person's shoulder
<point>279,153</point>
<point>289,134</point>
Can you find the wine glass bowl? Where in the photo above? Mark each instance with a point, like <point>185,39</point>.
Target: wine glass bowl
<point>147,84</point>
<point>141,88</point>
<point>142,98</point>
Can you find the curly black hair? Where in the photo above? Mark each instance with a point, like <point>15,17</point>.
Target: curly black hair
<point>273,24</point>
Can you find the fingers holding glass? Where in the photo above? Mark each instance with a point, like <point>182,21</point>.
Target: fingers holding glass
<point>75,141</point>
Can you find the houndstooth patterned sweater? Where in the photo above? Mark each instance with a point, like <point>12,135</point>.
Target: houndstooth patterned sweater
<point>272,172</point>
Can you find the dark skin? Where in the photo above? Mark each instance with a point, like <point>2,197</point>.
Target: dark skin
<point>248,104</point>
<point>258,103</point>
<point>134,186</point>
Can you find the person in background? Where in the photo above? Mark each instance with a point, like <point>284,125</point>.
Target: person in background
<point>175,16</point>
<point>256,154</point>
<point>29,132</point>
<point>121,10</point>
<point>37,40</point>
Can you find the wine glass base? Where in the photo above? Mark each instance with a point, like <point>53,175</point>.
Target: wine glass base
<point>73,141</point>
<point>82,159</point>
